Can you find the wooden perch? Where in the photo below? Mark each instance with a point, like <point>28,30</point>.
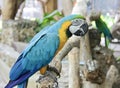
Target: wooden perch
<point>88,84</point>
<point>85,52</point>
<point>72,42</point>
<point>74,75</point>
<point>111,77</point>
<point>100,73</point>
<point>91,74</point>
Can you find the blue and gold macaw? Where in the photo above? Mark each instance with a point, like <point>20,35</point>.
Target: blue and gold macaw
<point>103,28</point>
<point>43,47</point>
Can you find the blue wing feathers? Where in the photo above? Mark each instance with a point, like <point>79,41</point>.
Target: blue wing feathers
<point>39,33</point>
<point>38,55</point>
<point>16,71</point>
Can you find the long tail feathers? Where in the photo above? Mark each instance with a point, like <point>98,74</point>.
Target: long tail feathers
<point>23,85</point>
<point>10,84</point>
<point>20,80</point>
<point>110,37</point>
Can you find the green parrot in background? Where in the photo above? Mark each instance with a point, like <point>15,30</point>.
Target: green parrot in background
<point>103,28</point>
<point>43,47</point>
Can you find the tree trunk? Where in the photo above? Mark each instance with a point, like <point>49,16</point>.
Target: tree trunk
<point>49,5</point>
<point>80,8</point>
<point>19,2</point>
<point>9,9</point>
<point>20,11</point>
<point>67,7</point>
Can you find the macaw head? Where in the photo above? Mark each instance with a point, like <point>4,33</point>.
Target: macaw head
<point>72,25</point>
<point>78,27</point>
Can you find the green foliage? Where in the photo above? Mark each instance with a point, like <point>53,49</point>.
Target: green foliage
<point>47,20</point>
<point>118,59</point>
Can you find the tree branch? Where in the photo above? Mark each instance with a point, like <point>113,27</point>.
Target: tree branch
<point>111,77</point>
<point>74,75</point>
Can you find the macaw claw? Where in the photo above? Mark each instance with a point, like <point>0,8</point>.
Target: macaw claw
<point>50,68</point>
<point>48,76</point>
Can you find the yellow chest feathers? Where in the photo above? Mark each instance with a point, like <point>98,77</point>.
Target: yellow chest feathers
<point>62,34</point>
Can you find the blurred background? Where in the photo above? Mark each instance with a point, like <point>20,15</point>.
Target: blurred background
<point>20,20</point>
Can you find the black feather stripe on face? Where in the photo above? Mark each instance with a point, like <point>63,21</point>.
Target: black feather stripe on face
<point>68,33</point>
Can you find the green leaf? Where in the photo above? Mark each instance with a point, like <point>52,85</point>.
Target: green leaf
<point>118,58</point>
<point>47,20</point>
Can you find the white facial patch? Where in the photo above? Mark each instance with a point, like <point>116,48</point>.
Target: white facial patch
<point>73,29</point>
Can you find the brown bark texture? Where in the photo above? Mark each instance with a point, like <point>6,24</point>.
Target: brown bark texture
<point>9,9</point>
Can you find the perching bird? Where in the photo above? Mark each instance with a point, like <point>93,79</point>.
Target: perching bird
<point>43,47</point>
<point>103,28</point>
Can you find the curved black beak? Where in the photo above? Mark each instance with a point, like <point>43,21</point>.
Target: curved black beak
<point>82,30</point>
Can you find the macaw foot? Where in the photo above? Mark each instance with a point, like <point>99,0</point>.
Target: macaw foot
<point>50,68</point>
<point>48,76</point>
